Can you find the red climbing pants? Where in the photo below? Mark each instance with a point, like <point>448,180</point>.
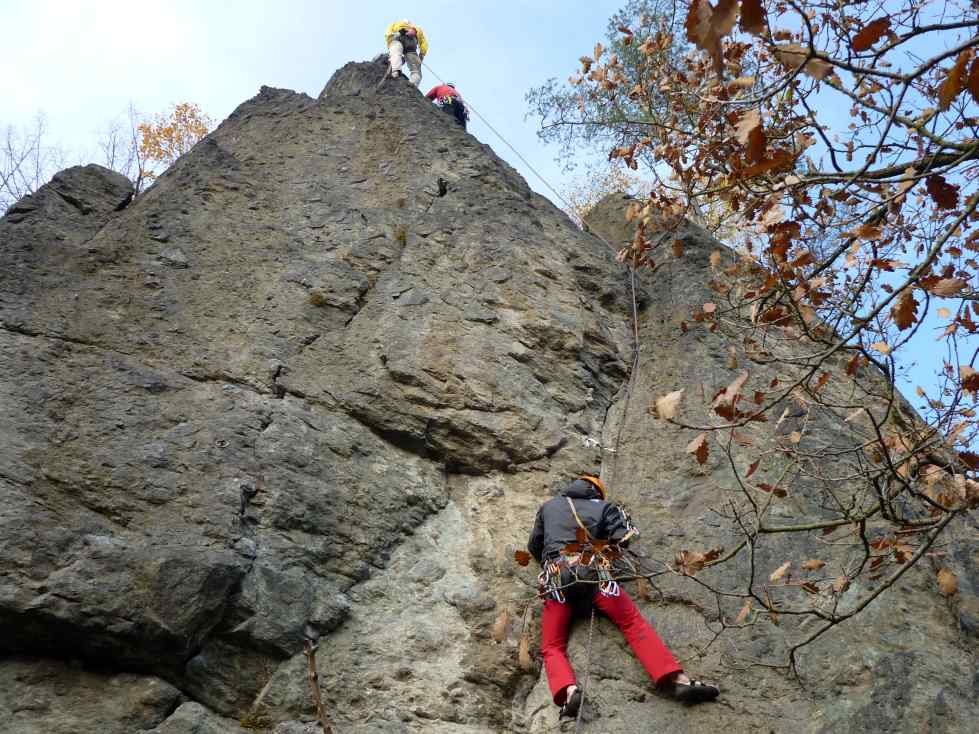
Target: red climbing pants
<point>645,643</point>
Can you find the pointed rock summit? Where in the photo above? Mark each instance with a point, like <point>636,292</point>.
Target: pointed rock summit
<point>315,382</point>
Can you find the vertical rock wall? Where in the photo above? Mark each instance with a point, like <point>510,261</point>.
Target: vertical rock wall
<point>317,379</point>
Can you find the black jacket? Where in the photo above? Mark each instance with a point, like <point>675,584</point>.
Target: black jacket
<point>555,526</point>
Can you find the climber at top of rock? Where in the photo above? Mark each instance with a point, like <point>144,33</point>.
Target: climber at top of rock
<point>448,98</point>
<point>406,41</point>
<point>578,539</point>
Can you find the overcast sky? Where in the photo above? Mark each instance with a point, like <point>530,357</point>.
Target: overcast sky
<point>81,62</point>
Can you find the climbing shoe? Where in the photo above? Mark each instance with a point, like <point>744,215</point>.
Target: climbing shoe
<point>695,691</point>
<point>570,708</point>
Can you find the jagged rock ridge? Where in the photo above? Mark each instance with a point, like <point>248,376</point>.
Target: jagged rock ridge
<point>319,377</point>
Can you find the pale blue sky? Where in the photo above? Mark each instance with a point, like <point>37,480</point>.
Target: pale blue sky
<point>82,61</point>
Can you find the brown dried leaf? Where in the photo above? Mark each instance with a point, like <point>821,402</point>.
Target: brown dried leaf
<point>868,232</point>
<point>752,468</point>
<point>947,287</point>
<point>882,347</point>
<point>522,557</point>
<point>870,34</point>
<point>724,17</point>
<point>905,310</point>
<point>841,584</point>
<point>667,405</point>
<point>752,17</point>
<point>699,448</point>
<point>813,564</point>
<point>677,248</point>
<point>780,571</point>
<point>795,437</point>
<point>955,81</point>
<point>779,159</point>
<point>972,81</point>
<point>523,656</point>
<point>748,122</point>
<point>794,55</point>
<point>810,587</point>
<point>945,195</point>
<point>948,583</point>
<point>500,625</point>
<point>643,589</point>
<point>743,614</point>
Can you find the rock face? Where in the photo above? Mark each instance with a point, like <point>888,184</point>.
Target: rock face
<point>317,380</point>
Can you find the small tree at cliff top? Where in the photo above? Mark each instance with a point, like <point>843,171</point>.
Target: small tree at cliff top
<point>842,139</point>
<point>166,137</point>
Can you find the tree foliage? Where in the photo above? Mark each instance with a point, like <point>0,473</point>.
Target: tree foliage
<point>841,139</point>
<point>166,137</point>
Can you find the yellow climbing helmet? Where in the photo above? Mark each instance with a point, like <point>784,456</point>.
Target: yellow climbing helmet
<point>596,482</point>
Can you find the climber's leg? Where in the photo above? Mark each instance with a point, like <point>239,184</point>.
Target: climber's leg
<point>645,643</point>
<point>395,57</point>
<point>415,67</point>
<point>555,622</point>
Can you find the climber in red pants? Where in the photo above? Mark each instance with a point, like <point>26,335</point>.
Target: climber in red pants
<point>569,577</point>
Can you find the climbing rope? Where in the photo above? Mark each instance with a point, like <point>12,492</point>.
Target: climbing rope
<point>632,270</point>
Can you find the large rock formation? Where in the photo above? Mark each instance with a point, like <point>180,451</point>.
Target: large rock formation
<point>316,381</point>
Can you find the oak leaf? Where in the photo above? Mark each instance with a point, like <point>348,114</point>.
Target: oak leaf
<point>752,17</point>
<point>955,81</point>
<point>870,34</point>
<point>780,571</point>
<point>500,625</point>
<point>523,656</point>
<point>948,583</point>
<point>905,310</point>
<point>667,405</point>
<point>794,55</point>
<point>743,614</point>
<point>699,448</point>
<point>944,194</point>
<point>947,287</point>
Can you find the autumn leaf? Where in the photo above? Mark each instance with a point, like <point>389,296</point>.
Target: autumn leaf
<point>779,159</point>
<point>813,564</point>
<point>969,378</point>
<point>948,583</point>
<point>523,655</point>
<point>972,81</point>
<point>868,232</point>
<point>870,34</point>
<point>947,287</point>
<point>667,405</point>
<point>780,571</point>
<point>945,195</point>
<point>752,17</point>
<point>715,258</point>
<point>500,625</point>
<point>521,557</point>
<point>905,311</point>
<point>955,81</point>
<point>643,589</point>
<point>709,307</point>
<point>810,587</point>
<point>882,347</point>
<point>794,55</point>
<point>743,614</point>
<point>699,448</point>
<point>752,468</point>
<point>841,584</point>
